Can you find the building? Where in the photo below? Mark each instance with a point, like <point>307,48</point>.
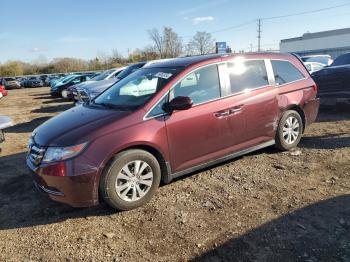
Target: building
<point>334,43</point>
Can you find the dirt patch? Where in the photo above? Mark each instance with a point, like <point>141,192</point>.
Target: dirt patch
<point>266,206</point>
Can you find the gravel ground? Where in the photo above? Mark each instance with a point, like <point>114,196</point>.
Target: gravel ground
<point>266,206</point>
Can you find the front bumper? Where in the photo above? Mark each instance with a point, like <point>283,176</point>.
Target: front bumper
<point>74,190</point>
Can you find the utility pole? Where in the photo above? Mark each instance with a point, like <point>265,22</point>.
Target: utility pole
<point>259,35</point>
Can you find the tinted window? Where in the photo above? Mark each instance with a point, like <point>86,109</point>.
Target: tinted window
<point>247,74</point>
<point>201,86</point>
<point>285,72</point>
<point>158,109</point>
<point>342,60</point>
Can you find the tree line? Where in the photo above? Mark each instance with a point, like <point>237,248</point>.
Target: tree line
<point>165,43</point>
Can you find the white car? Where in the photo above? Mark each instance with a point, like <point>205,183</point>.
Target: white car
<point>322,59</point>
<point>313,66</point>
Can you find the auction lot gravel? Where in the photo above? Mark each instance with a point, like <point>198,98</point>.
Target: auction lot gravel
<point>266,206</point>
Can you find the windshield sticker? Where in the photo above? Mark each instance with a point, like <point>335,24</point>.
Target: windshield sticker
<point>163,75</point>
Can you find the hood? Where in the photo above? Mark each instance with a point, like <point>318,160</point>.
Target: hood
<point>83,84</point>
<point>74,125</point>
<point>100,86</point>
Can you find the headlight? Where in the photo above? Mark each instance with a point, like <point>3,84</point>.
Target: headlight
<point>54,154</point>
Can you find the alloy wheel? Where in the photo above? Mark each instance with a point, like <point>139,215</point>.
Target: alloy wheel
<point>291,130</point>
<point>134,181</point>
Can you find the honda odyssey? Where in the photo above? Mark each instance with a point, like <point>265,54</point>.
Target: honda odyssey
<point>169,119</point>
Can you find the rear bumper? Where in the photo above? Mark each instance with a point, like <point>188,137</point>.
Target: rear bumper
<point>311,109</point>
<point>76,191</point>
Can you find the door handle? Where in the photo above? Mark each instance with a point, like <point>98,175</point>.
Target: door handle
<point>235,110</point>
<point>230,111</point>
<point>222,114</point>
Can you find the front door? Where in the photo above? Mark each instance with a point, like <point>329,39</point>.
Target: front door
<point>201,133</point>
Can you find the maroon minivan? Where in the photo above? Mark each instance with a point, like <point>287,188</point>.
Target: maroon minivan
<point>169,119</point>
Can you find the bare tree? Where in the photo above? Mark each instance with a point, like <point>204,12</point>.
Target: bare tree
<point>158,41</point>
<point>116,58</point>
<point>167,44</point>
<point>173,43</point>
<point>202,43</point>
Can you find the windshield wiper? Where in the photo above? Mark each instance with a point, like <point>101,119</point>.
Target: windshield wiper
<point>111,106</point>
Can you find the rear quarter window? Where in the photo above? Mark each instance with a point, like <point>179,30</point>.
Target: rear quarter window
<point>285,72</point>
<point>247,74</point>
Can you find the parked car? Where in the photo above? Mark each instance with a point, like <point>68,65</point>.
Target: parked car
<point>87,93</point>
<point>60,88</point>
<point>322,59</point>
<point>170,119</point>
<point>10,83</point>
<point>49,79</point>
<point>334,81</point>
<point>3,91</point>
<point>313,66</point>
<point>34,82</point>
<point>106,75</point>
<point>5,121</point>
<point>58,78</point>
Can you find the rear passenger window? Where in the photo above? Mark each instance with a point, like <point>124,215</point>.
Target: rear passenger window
<point>247,74</point>
<point>285,72</point>
<point>201,86</point>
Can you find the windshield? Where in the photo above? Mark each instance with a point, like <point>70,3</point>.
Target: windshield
<point>342,60</point>
<point>129,70</point>
<point>317,59</point>
<point>103,75</point>
<point>136,89</point>
<point>67,79</point>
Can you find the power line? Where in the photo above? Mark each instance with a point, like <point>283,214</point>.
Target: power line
<point>290,15</point>
<point>228,28</point>
<point>259,21</point>
<point>305,12</point>
<point>233,27</point>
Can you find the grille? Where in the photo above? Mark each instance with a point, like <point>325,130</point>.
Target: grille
<point>36,153</point>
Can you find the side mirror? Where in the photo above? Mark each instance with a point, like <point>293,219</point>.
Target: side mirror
<point>178,103</point>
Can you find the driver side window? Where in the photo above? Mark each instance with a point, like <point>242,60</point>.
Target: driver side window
<point>201,85</point>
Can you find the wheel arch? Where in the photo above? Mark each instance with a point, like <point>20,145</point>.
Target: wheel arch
<point>165,171</point>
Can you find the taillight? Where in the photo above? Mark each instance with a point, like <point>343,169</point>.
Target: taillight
<point>58,169</point>
<point>315,88</point>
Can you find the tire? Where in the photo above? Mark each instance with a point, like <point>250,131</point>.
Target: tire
<point>64,94</point>
<point>289,131</point>
<point>113,179</point>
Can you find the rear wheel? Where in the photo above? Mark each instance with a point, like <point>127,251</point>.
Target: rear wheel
<point>289,130</point>
<point>131,179</point>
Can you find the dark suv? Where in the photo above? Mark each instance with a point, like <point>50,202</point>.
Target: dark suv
<point>169,119</point>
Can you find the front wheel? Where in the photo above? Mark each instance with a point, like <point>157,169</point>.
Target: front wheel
<point>64,93</point>
<point>130,180</point>
<point>289,131</point>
